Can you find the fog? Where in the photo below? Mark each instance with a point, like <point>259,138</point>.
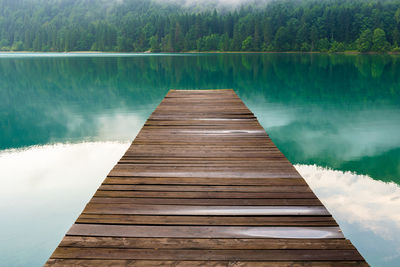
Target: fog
<point>212,4</point>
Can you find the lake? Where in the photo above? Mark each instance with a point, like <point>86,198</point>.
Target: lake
<point>66,119</point>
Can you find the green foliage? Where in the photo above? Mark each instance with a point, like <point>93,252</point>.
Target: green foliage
<point>154,44</point>
<point>379,43</point>
<point>282,38</point>
<point>4,46</point>
<point>224,42</point>
<point>324,45</point>
<point>305,47</point>
<point>208,43</point>
<point>248,44</point>
<point>17,46</point>
<point>397,16</point>
<point>149,25</point>
<point>396,49</point>
<point>364,42</point>
<point>337,47</point>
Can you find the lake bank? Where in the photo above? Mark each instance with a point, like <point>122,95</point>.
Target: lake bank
<point>206,52</point>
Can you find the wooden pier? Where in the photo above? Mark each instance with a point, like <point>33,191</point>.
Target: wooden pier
<point>203,185</point>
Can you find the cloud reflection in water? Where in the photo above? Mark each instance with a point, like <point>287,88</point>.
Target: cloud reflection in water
<point>43,190</point>
<point>367,210</point>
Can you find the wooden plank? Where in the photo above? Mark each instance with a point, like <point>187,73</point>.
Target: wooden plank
<point>119,208</point>
<point>204,181</point>
<point>212,202</point>
<point>175,263</point>
<point>206,188</point>
<point>202,184</point>
<point>204,231</point>
<point>204,243</point>
<point>121,170</point>
<point>198,254</point>
<point>207,220</point>
<point>216,195</point>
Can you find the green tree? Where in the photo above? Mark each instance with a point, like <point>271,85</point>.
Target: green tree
<point>154,45</point>
<point>224,42</point>
<point>248,44</point>
<point>236,43</point>
<point>281,39</point>
<point>257,38</point>
<point>178,38</point>
<point>167,43</point>
<point>305,47</point>
<point>397,16</point>
<point>396,37</point>
<point>313,36</point>
<point>210,43</point>
<point>124,44</point>
<point>379,43</point>
<point>337,47</point>
<point>4,44</point>
<point>17,46</point>
<point>324,45</point>
<point>364,42</point>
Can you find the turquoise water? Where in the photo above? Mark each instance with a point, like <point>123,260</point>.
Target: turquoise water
<point>65,119</point>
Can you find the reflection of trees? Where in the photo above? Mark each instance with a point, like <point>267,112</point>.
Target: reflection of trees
<point>40,96</point>
<point>374,65</point>
<point>286,77</point>
<point>384,167</point>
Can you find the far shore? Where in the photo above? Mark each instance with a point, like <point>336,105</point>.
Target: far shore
<point>202,52</point>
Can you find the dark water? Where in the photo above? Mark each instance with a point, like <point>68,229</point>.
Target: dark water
<point>338,112</point>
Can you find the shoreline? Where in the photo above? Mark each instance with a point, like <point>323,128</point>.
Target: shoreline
<point>203,52</point>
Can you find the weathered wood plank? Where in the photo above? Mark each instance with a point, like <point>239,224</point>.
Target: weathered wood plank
<point>119,208</point>
<point>216,195</point>
<point>206,188</point>
<point>212,201</point>
<point>204,231</point>
<point>121,170</point>
<point>207,220</point>
<point>204,243</point>
<point>176,263</point>
<point>198,254</point>
<point>204,181</point>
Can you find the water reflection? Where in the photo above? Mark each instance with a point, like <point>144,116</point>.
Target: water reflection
<point>364,140</point>
<point>366,210</point>
<point>43,190</point>
<point>335,111</point>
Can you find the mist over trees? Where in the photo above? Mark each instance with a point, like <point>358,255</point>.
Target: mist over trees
<point>167,26</point>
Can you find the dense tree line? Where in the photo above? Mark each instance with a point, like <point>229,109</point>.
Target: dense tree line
<point>145,25</point>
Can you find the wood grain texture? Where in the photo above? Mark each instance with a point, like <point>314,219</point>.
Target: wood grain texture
<point>202,184</point>
<point>199,254</point>
<point>177,263</point>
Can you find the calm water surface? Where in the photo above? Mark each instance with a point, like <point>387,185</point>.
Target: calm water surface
<point>66,119</point>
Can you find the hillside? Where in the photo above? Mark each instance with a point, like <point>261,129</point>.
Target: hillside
<point>168,26</point>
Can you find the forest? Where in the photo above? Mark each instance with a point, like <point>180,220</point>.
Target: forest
<point>168,26</point>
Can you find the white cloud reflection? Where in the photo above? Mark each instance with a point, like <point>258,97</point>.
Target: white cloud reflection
<point>367,132</point>
<point>120,126</point>
<point>56,167</point>
<point>367,210</point>
<point>43,190</point>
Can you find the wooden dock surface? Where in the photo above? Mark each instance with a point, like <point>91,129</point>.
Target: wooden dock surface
<point>203,185</point>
